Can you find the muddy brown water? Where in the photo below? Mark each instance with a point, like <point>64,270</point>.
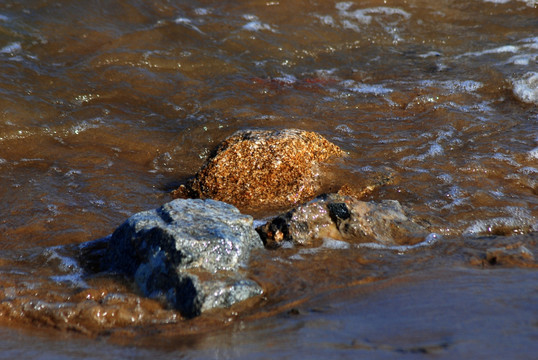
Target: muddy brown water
<point>106,106</point>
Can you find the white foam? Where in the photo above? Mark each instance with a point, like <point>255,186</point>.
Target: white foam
<point>12,48</point>
<point>506,158</point>
<point>454,85</point>
<point>257,26</point>
<point>254,24</point>
<point>349,25</point>
<point>73,272</point>
<point>522,59</point>
<point>530,43</point>
<point>384,16</point>
<point>334,244</point>
<point>430,54</point>
<point>182,20</point>
<point>202,11</point>
<point>457,195</point>
<point>343,6</point>
<point>249,17</point>
<point>71,173</point>
<point>286,79</point>
<point>480,107</point>
<point>188,23</point>
<point>325,19</point>
<point>26,160</point>
<point>533,154</point>
<point>463,85</point>
<point>83,126</point>
<point>530,3</point>
<point>376,89</point>
<point>86,98</point>
<point>528,170</point>
<point>428,241</point>
<point>365,15</point>
<point>526,88</point>
<point>52,208</point>
<point>497,50</point>
<point>446,178</point>
<point>344,128</point>
<point>3,18</point>
<point>520,218</point>
<point>434,150</point>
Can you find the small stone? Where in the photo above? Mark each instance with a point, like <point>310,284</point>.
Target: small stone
<point>345,218</point>
<point>188,253</point>
<point>257,168</point>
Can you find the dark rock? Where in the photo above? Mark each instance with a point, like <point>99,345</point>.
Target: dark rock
<point>188,253</point>
<point>343,218</point>
<point>256,168</point>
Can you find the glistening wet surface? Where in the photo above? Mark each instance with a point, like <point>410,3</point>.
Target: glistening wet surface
<point>107,107</point>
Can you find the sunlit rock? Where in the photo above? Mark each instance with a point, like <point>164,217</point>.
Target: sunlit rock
<point>255,168</point>
<point>189,253</point>
<point>343,218</point>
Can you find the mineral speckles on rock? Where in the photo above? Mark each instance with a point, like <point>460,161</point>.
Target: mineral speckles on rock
<point>343,218</point>
<point>255,168</point>
<point>189,253</point>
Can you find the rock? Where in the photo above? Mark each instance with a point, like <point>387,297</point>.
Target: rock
<point>255,168</point>
<point>188,253</point>
<point>343,218</point>
<point>514,254</point>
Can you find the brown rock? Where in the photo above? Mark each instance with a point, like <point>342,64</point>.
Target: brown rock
<point>515,254</point>
<point>254,168</point>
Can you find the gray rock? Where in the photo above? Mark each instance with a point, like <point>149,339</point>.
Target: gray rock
<point>189,253</point>
<point>343,218</point>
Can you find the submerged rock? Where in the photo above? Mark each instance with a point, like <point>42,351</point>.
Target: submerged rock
<point>514,254</point>
<point>343,218</point>
<point>189,253</point>
<point>255,168</point>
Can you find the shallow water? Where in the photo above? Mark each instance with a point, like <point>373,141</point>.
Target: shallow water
<point>107,106</point>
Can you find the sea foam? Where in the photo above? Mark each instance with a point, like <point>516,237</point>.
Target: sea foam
<point>526,88</point>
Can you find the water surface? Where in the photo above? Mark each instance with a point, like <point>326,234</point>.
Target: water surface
<point>107,106</point>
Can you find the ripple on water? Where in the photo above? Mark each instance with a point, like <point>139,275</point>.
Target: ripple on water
<point>519,221</point>
<point>97,119</point>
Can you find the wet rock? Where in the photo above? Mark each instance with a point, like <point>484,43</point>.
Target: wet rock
<point>188,253</point>
<point>343,218</point>
<point>254,168</point>
<point>514,254</point>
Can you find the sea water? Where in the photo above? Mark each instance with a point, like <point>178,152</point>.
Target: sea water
<point>107,106</point>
